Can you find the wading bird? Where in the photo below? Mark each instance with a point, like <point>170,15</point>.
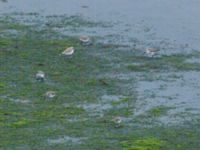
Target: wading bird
<point>85,40</point>
<point>68,51</point>
<point>50,94</point>
<point>40,76</point>
<point>151,51</point>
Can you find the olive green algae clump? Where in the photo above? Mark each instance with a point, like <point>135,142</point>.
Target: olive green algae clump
<point>144,144</point>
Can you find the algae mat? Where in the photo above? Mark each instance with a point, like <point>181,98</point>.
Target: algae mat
<point>157,98</point>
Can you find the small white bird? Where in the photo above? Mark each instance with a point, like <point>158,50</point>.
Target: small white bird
<point>117,120</point>
<point>50,94</point>
<point>68,51</point>
<point>85,40</point>
<point>40,76</point>
<point>151,51</point>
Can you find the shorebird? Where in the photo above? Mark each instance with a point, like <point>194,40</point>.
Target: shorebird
<point>117,120</point>
<point>50,94</point>
<point>68,51</point>
<point>151,51</point>
<point>85,40</point>
<point>40,76</point>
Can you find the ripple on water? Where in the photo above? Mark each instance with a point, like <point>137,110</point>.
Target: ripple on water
<point>104,104</point>
<point>160,27</point>
<point>182,95</point>
<point>16,100</point>
<point>66,139</point>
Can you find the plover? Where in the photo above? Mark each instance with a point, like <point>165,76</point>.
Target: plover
<point>40,76</point>
<point>151,51</point>
<point>85,40</point>
<point>68,51</point>
<point>117,120</point>
<point>50,94</point>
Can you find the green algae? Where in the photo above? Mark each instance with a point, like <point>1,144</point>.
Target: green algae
<point>122,101</point>
<point>159,111</point>
<point>76,81</point>
<point>144,144</point>
<point>53,113</point>
<point>5,42</point>
<point>75,21</point>
<point>20,123</point>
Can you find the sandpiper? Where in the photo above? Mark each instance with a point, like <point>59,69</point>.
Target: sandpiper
<point>50,94</point>
<point>151,51</point>
<point>68,51</point>
<point>117,120</point>
<point>40,76</point>
<point>85,40</point>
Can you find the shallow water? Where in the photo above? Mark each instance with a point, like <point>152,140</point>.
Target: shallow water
<point>171,25</point>
<point>65,139</point>
<point>181,94</point>
<point>97,83</point>
<point>167,24</point>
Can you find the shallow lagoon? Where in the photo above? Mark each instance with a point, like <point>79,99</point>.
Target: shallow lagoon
<point>157,97</point>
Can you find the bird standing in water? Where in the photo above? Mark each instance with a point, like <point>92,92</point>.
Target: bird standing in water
<point>151,51</point>
<point>117,120</point>
<point>50,94</point>
<point>85,40</point>
<point>68,51</point>
<point>40,76</point>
